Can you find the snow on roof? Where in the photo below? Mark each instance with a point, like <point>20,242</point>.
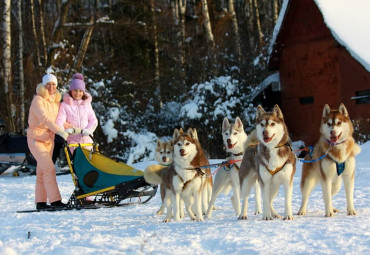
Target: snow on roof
<point>349,23</point>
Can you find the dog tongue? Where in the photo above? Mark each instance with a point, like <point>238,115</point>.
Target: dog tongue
<point>267,139</point>
<point>333,139</point>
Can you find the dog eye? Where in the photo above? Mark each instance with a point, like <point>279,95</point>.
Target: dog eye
<point>262,125</point>
<point>339,123</point>
<point>235,133</point>
<point>226,133</point>
<point>329,124</point>
<point>273,124</point>
<point>187,143</point>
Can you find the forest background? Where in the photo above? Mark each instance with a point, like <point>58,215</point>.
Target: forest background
<point>148,64</point>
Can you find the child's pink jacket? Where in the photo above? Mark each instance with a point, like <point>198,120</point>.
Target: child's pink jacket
<point>80,114</point>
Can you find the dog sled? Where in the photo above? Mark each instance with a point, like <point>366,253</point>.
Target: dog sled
<point>102,182</point>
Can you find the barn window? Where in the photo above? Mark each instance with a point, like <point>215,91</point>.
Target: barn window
<point>362,97</point>
<point>306,100</point>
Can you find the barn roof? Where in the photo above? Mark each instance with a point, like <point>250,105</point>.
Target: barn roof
<point>348,21</point>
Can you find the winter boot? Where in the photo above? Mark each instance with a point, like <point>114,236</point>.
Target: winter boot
<point>42,205</point>
<point>58,204</point>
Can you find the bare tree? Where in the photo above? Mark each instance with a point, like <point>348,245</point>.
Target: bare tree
<point>235,27</point>
<point>33,25</point>
<point>207,24</point>
<point>156,53</point>
<point>7,78</point>
<point>21,74</point>
<point>57,32</point>
<point>84,45</point>
<point>258,23</point>
<point>42,31</point>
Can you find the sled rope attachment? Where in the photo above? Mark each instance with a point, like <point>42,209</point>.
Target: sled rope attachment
<point>219,165</point>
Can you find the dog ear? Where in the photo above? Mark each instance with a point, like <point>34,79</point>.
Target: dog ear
<point>259,112</point>
<point>193,133</point>
<point>326,111</point>
<point>239,123</point>
<point>343,110</point>
<point>278,112</point>
<point>170,142</point>
<point>159,142</point>
<point>225,124</point>
<point>176,133</point>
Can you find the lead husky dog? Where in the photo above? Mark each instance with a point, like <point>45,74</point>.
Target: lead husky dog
<point>153,173</point>
<point>234,139</point>
<point>337,142</point>
<point>184,180</point>
<point>271,161</point>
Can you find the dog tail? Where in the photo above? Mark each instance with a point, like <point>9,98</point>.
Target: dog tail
<point>153,173</point>
<point>252,140</point>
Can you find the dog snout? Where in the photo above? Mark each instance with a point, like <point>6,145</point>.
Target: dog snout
<point>265,133</point>
<point>333,133</point>
<point>182,151</point>
<point>228,141</point>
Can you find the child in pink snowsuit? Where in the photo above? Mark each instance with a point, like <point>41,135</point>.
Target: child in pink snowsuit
<point>40,138</point>
<point>76,113</point>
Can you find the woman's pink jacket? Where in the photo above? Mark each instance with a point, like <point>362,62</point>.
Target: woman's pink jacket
<point>78,113</point>
<point>42,115</point>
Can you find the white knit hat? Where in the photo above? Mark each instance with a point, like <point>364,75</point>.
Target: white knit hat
<point>48,78</point>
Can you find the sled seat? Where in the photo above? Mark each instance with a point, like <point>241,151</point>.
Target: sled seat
<point>96,172</point>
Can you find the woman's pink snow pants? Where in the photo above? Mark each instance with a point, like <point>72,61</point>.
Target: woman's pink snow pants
<point>46,181</point>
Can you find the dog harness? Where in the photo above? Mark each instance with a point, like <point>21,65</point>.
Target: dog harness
<point>272,172</point>
<point>199,173</point>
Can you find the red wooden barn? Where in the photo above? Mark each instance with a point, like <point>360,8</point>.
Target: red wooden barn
<point>318,65</point>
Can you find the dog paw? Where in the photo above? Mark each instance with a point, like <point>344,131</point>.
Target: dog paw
<point>301,212</point>
<point>267,217</point>
<point>335,210</point>
<point>329,214</point>
<point>258,211</point>
<point>242,217</point>
<point>289,217</point>
<point>276,215</point>
<point>351,212</point>
<point>166,220</point>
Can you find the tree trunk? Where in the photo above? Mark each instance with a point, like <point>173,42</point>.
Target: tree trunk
<point>21,74</point>
<point>258,23</point>
<point>207,24</point>
<point>6,37</point>
<point>156,55</point>
<point>33,24</point>
<point>43,40</point>
<point>57,32</point>
<point>83,47</point>
<point>236,31</point>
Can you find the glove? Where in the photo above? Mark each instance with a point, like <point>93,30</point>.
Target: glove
<point>63,134</point>
<point>86,132</point>
<point>74,131</point>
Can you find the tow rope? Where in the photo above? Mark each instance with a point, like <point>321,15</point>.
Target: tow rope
<point>219,165</point>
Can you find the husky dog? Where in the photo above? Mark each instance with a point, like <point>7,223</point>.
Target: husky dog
<point>337,143</point>
<point>184,180</point>
<point>234,139</point>
<point>271,161</point>
<point>153,173</point>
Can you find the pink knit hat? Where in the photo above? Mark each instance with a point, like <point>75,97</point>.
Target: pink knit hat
<point>77,82</point>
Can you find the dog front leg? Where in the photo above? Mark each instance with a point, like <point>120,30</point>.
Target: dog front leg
<point>326,186</point>
<point>349,185</point>
<point>246,188</point>
<point>198,205</point>
<point>176,206</point>
<point>288,191</point>
<point>266,178</point>
<point>257,198</point>
<point>236,191</point>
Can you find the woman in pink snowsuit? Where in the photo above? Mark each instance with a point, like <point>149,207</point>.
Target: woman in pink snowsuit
<point>40,138</point>
<point>76,113</point>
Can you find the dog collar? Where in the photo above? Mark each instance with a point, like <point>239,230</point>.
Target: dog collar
<point>238,154</point>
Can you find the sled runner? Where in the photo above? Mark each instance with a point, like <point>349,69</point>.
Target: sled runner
<point>101,181</point>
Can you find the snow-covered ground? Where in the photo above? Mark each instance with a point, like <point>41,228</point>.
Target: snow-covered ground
<point>137,230</point>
